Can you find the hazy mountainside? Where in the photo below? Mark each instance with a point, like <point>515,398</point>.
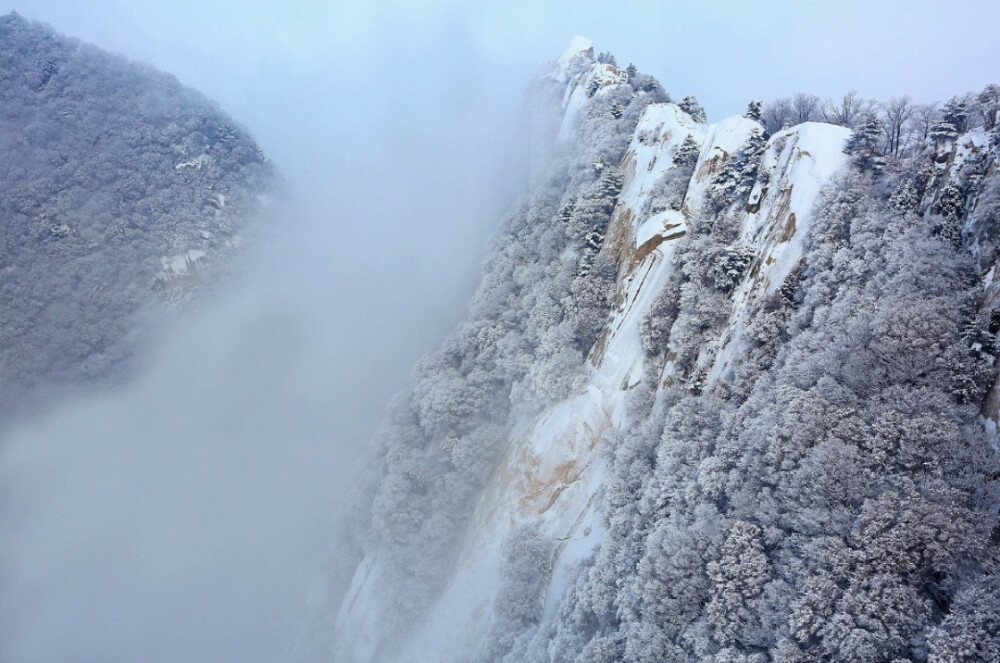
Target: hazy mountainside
<point>723,395</point>
<point>119,188</point>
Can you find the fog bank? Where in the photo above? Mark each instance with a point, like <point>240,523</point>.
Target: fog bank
<point>184,516</point>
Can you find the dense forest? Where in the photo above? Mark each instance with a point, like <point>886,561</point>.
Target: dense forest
<point>119,188</point>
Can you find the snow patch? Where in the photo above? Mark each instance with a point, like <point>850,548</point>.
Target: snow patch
<point>197,163</point>
<point>967,146</point>
<point>181,264</point>
<point>664,224</point>
<point>660,132</point>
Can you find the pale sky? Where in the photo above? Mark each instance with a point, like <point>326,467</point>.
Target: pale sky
<point>723,51</point>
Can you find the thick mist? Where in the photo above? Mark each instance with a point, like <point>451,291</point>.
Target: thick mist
<point>185,515</point>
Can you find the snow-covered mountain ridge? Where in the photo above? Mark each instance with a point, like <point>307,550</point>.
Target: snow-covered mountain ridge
<point>541,517</point>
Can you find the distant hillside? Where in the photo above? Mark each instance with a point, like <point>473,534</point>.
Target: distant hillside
<point>119,187</point>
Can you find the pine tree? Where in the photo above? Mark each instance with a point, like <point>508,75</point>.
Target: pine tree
<point>951,203</point>
<point>607,57</point>
<point>749,163</point>
<point>904,198</point>
<point>789,289</point>
<point>865,145</point>
<point>592,212</point>
<point>733,263</point>
<point>737,177</point>
<point>988,104</point>
<point>755,111</point>
<point>691,106</point>
<point>724,184</point>
<point>687,154</point>
<point>956,112</point>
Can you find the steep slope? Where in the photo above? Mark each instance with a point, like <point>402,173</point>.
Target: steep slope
<point>553,472</point>
<point>766,322</point>
<point>118,188</point>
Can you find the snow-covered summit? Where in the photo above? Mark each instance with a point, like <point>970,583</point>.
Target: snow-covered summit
<point>577,56</point>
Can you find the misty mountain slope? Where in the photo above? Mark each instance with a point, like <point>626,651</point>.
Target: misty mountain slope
<point>722,396</point>
<point>119,188</point>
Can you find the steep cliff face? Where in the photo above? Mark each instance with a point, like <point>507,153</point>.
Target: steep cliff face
<point>553,475</point>
<point>553,471</point>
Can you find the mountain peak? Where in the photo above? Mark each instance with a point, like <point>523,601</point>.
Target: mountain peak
<point>12,18</point>
<point>577,46</point>
<point>577,56</point>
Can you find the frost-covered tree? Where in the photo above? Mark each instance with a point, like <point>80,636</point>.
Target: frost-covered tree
<point>971,631</point>
<point>731,266</point>
<point>777,115</point>
<point>905,198</point>
<point>924,117</point>
<point>988,105</point>
<point>950,206</point>
<point>668,192</point>
<point>806,108</point>
<point>847,111</point>
<point>783,113</point>
<point>691,106</point>
<point>739,578</point>
<point>749,162</point>
<point>866,145</point>
<point>896,114</point>
<point>956,112</point>
<point>687,154</point>
<point>736,179</point>
<point>526,564</point>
